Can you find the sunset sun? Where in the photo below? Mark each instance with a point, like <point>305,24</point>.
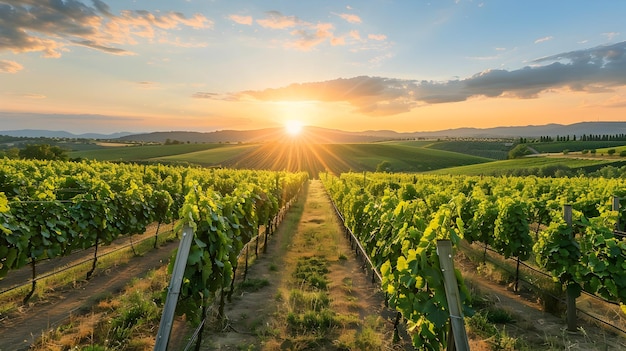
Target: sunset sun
<point>293,128</point>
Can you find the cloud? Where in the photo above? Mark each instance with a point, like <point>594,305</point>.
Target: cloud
<point>298,34</point>
<point>350,18</point>
<point>147,85</point>
<point>246,20</point>
<point>109,50</point>
<point>313,36</point>
<point>593,70</point>
<point>544,39</point>
<point>33,96</point>
<point>58,117</point>
<point>201,95</point>
<point>213,96</point>
<point>50,26</point>
<point>7,66</point>
<point>611,35</point>
<point>277,20</point>
<point>379,37</point>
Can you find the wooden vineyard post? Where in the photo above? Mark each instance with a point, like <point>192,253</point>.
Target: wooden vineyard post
<point>245,270</point>
<point>571,295</point>
<point>444,251</point>
<point>264,239</point>
<point>616,208</point>
<point>167,318</point>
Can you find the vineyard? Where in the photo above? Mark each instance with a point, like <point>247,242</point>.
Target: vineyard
<point>398,218</point>
<point>50,209</point>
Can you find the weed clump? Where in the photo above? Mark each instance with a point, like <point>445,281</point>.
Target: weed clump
<point>312,271</point>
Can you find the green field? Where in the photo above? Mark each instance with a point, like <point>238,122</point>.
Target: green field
<point>604,151</point>
<point>208,157</point>
<point>574,146</point>
<point>528,164</point>
<point>142,152</point>
<point>450,157</point>
<point>403,157</point>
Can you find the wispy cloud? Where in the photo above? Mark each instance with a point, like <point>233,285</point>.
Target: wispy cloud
<point>310,37</point>
<point>598,69</point>
<point>7,66</point>
<point>350,18</point>
<point>109,50</point>
<point>307,35</point>
<point>245,20</point>
<point>379,37</point>
<point>50,26</point>
<point>611,35</point>
<point>276,20</point>
<point>66,117</point>
<point>544,39</point>
<point>147,85</point>
<point>34,96</point>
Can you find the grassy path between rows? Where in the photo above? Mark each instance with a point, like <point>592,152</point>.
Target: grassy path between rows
<point>21,329</point>
<point>308,292</point>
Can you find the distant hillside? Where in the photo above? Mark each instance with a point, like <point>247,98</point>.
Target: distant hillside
<point>577,129</point>
<point>339,158</point>
<point>37,133</point>
<point>323,135</point>
<point>314,134</point>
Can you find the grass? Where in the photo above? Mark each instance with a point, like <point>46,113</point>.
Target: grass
<point>294,156</point>
<point>209,157</point>
<point>318,308</point>
<point>142,152</point>
<point>574,146</point>
<point>526,163</point>
<point>617,149</point>
<point>75,276</point>
<point>252,285</point>
<point>122,322</point>
<point>403,158</point>
<point>492,149</point>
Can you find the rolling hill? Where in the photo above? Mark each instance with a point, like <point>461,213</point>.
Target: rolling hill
<point>292,155</point>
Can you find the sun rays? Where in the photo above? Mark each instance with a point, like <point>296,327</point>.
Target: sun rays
<point>293,128</point>
<point>305,150</point>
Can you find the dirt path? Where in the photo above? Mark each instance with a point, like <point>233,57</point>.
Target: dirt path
<point>23,275</point>
<point>536,329</point>
<point>257,319</point>
<point>18,331</point>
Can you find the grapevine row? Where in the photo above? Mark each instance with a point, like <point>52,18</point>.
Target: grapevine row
<point>223,223</point>
<point>399,217</point>
<point>49,209</point>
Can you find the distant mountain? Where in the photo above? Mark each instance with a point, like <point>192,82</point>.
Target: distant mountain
<point>323,135</point>
<point>37,133</point>
<point>315,134</point>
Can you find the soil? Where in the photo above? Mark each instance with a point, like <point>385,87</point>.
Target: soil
<point>19,330</point>
<point>536,329</point>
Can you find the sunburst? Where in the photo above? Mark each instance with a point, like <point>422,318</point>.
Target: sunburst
<point>293,128</point>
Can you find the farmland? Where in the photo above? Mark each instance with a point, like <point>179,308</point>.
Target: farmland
<point>291,156</point>
<point>470,157</point>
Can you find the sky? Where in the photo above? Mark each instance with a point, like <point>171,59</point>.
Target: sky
<point>106,66</point>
